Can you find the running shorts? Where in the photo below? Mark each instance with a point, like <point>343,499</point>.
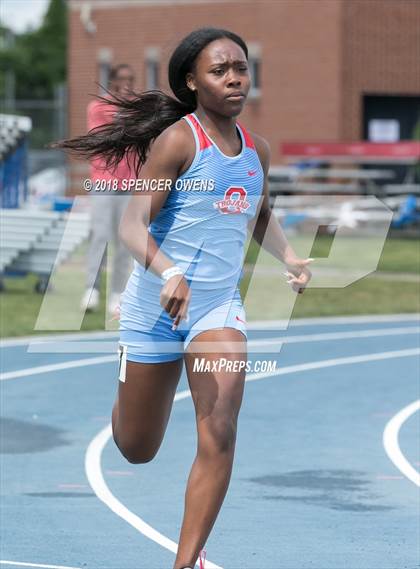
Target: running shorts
<point>146,333</point>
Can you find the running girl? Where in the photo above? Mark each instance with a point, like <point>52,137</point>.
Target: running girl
<point>182,299</point>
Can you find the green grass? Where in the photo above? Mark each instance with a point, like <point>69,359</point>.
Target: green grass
<point>20,308</point>
<point>268,298</point>
<point>401,255</point>
<point>272,299</point>
<point>398,255</point>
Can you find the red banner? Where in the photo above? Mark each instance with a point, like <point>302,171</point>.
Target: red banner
<point>401,150</point>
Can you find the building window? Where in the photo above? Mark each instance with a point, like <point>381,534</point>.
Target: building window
<point>254,64</point>
<point>104,58</point>
<point>152,68</point>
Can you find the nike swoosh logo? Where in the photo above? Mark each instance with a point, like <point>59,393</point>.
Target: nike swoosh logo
<point>252,172</point>
<point>240,320</point>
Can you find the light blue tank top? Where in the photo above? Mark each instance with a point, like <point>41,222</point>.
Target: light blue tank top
<point>202,226</point>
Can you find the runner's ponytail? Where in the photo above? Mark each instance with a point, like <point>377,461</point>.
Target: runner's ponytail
<point>141,117</point>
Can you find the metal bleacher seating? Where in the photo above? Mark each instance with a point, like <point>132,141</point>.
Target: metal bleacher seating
<point>34,241</point>
<point>13,159</point>
<point>31,240</point>
<point>303,195</point>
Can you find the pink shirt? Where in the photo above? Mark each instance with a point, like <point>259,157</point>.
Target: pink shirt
<point>99,113</point>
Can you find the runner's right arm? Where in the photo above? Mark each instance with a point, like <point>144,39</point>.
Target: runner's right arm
<point>170,155</point>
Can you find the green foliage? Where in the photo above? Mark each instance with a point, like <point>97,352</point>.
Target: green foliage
<point>38,57</point>
<point>375,293</point>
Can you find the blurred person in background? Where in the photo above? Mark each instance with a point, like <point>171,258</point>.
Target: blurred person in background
<point>107,208</point>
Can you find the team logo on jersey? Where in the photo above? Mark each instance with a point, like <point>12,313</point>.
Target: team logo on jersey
<point>234,201</point>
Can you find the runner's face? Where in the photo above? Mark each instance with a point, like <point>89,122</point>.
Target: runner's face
<point>221,77</point>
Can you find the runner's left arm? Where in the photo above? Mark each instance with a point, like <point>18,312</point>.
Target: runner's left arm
<point>268,232</point>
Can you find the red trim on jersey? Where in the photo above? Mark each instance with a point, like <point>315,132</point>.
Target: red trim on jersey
<point>249,143</point>
<point>204,140</point>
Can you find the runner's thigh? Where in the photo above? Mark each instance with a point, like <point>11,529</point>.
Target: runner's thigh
<point>145,401</point>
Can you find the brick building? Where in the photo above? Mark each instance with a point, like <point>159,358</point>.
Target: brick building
<point>321,69</point>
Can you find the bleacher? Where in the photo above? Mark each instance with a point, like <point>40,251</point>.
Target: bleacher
<point>35,241</point>
<point>326,182</point>
<point>13,159</point>
<point>31,240</point>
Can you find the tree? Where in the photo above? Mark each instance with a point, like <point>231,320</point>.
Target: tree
<point>38,57</point>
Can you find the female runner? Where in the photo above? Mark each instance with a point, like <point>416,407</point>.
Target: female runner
<point>182,301</point>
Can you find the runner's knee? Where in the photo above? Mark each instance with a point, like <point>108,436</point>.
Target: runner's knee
<point>138,453</point>
<point>217,435</point>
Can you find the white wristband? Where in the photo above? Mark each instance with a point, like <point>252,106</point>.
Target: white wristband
<point>171,272</point>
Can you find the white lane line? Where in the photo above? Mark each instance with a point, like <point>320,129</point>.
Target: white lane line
<point>22,564</point>
<point>392,446</point>
<point>93,454</point>
<point>111,347</point>
<point>255,325</point>
<point>363,319</point>
<point>57,367</point>
<point>337,361</point>
<point>278,340</point>
<point>106,359</point>
<point>335,336</point>
<point>96,480</point>
<point>22,340</point>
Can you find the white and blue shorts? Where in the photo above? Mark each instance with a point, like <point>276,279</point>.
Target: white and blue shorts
<point>146,333</point>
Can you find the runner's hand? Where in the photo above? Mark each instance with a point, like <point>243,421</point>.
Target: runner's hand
<point>298,273</point>
<point>175,298</point>
<point>116,314</point>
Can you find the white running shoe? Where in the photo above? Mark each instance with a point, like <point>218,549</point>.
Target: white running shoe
<point>90,300</point>
<point>202,559</point>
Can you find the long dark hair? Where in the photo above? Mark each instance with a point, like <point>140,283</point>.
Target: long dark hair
<point>141,117</point>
